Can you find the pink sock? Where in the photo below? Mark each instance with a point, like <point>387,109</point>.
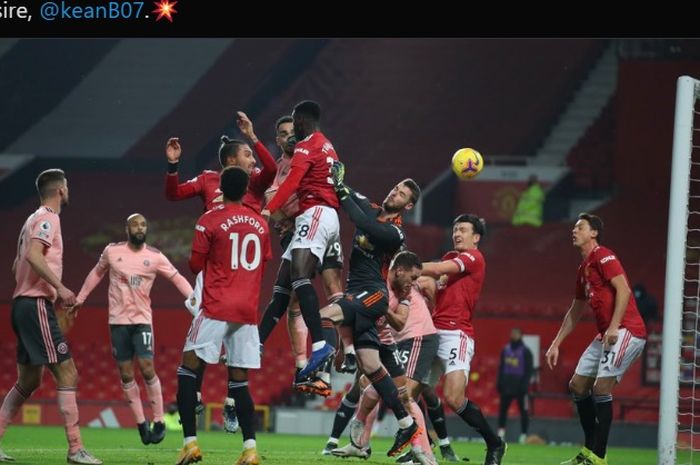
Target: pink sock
<point>69,410</point>
<point>422,439</point>
<point>368,400</point>
<point>11,405</point>
<point>155,395</point>
<point>132,393</point>
<point>369,423</point>
<point>298,333</point>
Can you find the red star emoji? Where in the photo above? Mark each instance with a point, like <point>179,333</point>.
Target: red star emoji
<point>165,9</point>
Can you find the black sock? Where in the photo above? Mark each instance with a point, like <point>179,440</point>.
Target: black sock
<point>587,417</point>
<point>436,413</point>
<point>187,400</point>
<point>308,302</point>
<point>604,413</point>
<point>343,416</point>
<point>274,311</point>
<point>386,389</point>
<point>524,414</point>
<point>245,409</point>
<point>471,414</point>
<point>200,376</point>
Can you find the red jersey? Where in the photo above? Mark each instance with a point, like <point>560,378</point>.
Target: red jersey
<point>236,242</point>
<point>593,284</point>
<point>309,176</point>
<point>206,185</point>
<point>455,302</point>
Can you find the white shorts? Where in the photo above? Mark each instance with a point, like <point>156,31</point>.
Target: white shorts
<point>455,352</point>
<point>241,342</point>
<point>598,363</point>
<point>314,229</point>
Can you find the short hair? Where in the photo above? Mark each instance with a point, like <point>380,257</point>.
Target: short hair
<point>415,189</point>
<point>234,183</point>
<point>282,120</point>
<point>595,222</point>
<point>47,181</point>
<point>309,110</point>
<point>478,224</point>
<point>229,147</point>
<point>407,260</point>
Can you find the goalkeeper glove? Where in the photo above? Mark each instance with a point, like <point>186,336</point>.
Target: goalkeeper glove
<point>337,173</point>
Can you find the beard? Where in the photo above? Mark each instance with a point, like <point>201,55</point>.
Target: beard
<point>389,208</point>
<point>137,239</point>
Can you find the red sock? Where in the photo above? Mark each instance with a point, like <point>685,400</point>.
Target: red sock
<point>298,334</point>
<point>69,410</point>
<point>422,439</point>
<point>369,423</point>
<point>11,405</point>
<point>132,393</point>
<point>155,395</point>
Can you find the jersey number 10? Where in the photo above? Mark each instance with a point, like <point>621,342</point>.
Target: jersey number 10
<point>239,251</point>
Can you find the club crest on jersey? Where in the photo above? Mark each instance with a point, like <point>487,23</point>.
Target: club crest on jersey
<point>45,226</point>
<point>364,243</point>
<point>146,263</point>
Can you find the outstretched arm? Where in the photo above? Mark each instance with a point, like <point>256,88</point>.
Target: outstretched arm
<point>174,190</point>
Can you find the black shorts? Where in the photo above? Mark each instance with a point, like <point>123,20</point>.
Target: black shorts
<point>389,356</point>
<point>130,340</point>
<point>39,338</point>
<point>333,258</point>
<point>417,356</point>
<point>361,309</point>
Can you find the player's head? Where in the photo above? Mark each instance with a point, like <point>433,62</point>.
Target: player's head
<point>136,228</point>
<point>467,231</point>
<point>284,132</point>
<point>52,183</point>
<point>404,270</point>
<point>235,152</point>
<point>402,197</point>
<point>516,334</point>
<point>588,228</point>
<point>234,183</point>
<point>306,118</point>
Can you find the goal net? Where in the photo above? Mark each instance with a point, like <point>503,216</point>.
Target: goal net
<point>679,421</point>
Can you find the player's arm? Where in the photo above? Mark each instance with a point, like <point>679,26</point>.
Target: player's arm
<point>94,277</point>
<point>570,320</point>
<point>37,260</point>
<point>299,167</point>
<point>437,269</point>
<point>427,286</point>
<point>269,166</point>
<point>166,269</point>
<point>397,315</point>
<point>622,299</point>
<point>174,190</point>
<point>200,248</point>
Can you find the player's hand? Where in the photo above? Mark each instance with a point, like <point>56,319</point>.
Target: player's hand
<point>73,311</point>
<point>552,356</point>
<point>338,174</point>
<point>192,305</point>
<point>610,338</point>
<point>66,298</point>
<point>173,149</point>
<point>245,125</point>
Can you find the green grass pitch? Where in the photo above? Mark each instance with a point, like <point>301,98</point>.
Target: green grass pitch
<point>47,446</point>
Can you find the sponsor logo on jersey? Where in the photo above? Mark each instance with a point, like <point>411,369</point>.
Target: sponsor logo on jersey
<point>607,259</point>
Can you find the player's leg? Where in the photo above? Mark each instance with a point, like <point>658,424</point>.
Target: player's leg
<point>523,408</point>
<point>342,417</point>
<point>123,351</point>
<point>143,341</point>
<point>320,382</point>
<point>314,230</point>
<point>503,407</point>
<point>298,333</point>
<point>281,293</point>
<point>368,358</point>
<point>455,351</point>
<point>25,324</point>
<point>613,364</point>
<point>242,343</point>
<point>202,345</point>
